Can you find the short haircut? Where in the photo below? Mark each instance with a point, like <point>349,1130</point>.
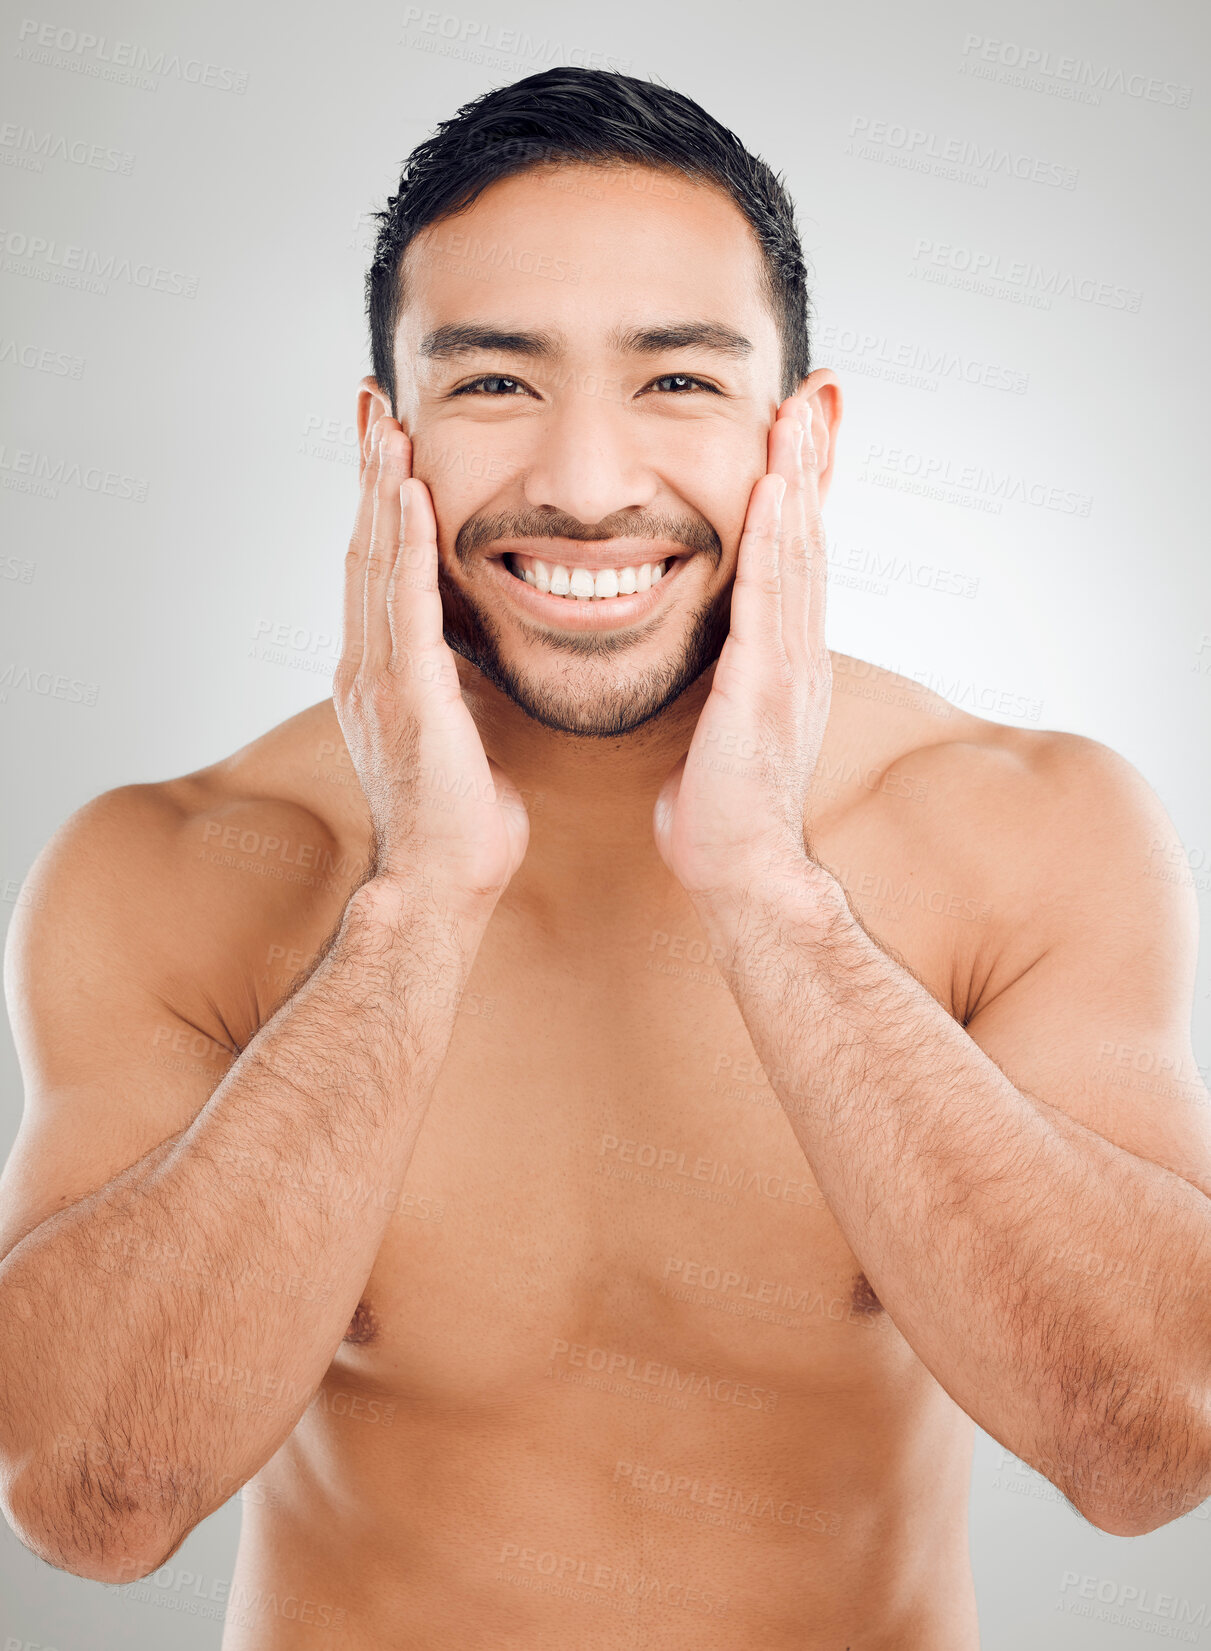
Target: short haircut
<point>596,117</point>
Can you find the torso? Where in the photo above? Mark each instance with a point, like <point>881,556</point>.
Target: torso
<point>617,1378</point>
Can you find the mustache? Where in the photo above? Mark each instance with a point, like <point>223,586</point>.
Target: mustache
<point>695,532</point>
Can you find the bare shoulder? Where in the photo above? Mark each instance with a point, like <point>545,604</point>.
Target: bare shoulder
<point>991,781</point>
<point>207,887</point>
<point>1056,833</point>
<point>1049,806</point>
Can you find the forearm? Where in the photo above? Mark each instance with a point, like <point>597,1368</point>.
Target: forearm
<point>149,1365</point>
<point>965,1201</point>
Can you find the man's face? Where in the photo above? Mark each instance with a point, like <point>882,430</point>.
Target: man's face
<point>588,368</point>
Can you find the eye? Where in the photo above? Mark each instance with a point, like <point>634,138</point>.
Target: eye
<point>681,383</point>
<point>492,384</point>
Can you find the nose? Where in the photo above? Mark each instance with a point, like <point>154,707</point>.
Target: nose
<point>590,463</point>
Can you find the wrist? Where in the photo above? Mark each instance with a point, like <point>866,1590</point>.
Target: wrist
<point>401,941</point>
<point>398,903</point>
<point>797,895</point>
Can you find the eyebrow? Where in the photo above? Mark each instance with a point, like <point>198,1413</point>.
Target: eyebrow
<point>465,338</point>
<point>462,338</point>
<point>680,335</point>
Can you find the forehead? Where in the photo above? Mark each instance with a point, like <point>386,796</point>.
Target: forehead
<point>587,251</point>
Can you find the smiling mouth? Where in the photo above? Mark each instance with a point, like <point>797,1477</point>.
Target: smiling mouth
<point>585,584</point>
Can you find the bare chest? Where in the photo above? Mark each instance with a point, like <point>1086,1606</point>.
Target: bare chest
<point>606,1181</point>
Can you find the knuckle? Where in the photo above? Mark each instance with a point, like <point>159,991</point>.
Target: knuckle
<point>377,699</point>
<point>412,555</point>
<point>403,633</point>
<point>393,470</point>
<point>355,696</point>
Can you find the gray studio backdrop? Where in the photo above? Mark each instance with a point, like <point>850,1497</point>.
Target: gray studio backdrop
<point>1000,206</point>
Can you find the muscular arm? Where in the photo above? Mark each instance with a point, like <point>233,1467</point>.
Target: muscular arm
<point>967,1165</point>
<point>147,1367</point>
<point>123,1410</point>
<point>1034,1228</point>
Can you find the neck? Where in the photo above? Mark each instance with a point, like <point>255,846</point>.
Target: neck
<point>589,801</point>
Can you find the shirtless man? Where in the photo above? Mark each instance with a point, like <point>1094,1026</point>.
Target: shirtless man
<point>579,1130</point>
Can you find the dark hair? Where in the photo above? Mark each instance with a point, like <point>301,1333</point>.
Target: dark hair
<point>600,117</point>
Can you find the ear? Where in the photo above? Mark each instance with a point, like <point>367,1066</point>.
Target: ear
<point>372,404</point>
<point>821,392</point>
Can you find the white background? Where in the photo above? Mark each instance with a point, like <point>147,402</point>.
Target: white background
<point>144,638</point>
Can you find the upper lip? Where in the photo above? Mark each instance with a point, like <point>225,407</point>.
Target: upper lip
<point>590,553</point>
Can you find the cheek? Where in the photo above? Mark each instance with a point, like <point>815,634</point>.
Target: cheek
<point>712,466</point>
<point>462,473</point>
<point>717,474</point>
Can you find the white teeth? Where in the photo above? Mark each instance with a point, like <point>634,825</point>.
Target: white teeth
<point>584,585</point>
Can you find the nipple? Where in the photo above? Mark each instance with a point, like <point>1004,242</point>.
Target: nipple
<point>864,1298</point>
<point>363,1326</point>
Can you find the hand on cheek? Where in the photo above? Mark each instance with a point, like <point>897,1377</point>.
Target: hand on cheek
<point>732,812</point>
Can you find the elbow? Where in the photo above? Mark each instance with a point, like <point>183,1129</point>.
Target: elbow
<point>100,1546</point>
<point>1139,1518</point>
<point>1124,1519</point>
<point>1134,1491</point>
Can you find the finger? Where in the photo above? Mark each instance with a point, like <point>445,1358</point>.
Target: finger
<point>786,457</point>
<point>355,559</point>
<point>666,800</point>
<point>817,542</point>
<point>804,546</point>
<point>756,619</point>
<point>414,604</point>
<point>384,544</point>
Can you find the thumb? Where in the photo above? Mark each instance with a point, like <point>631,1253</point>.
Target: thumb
<point>666,803</point>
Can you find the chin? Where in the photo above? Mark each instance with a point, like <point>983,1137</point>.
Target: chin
<point>592,683</point>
